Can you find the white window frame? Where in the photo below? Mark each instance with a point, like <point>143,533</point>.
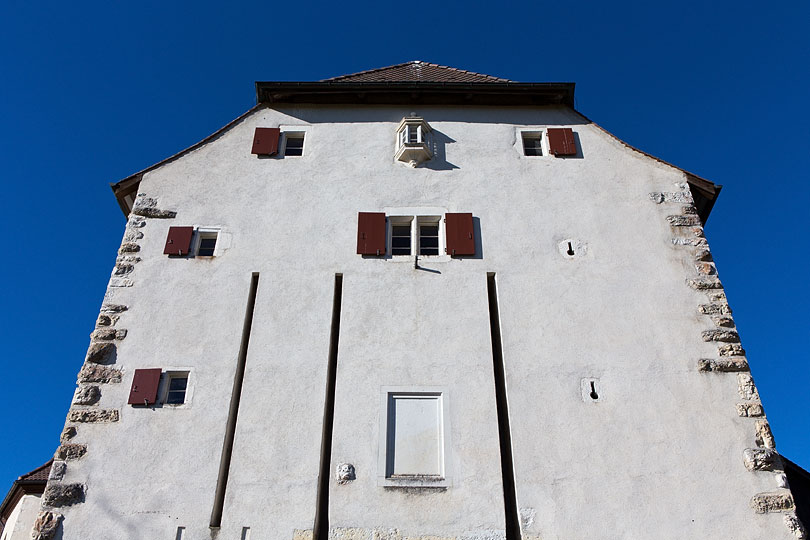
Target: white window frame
<point>534,131</point>
<point>445,480</point>
<point>206,232</point>
<point>292,130</point>
<point>415,216</point>
<point>163,386</point>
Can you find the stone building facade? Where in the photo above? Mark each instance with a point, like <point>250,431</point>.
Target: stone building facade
<point>415,302</point>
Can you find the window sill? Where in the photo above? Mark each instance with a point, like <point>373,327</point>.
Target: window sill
<point>415,481</point>
<point>423,259</point>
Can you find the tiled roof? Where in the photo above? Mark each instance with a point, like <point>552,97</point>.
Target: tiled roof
<point>417,71</point>
<point>40,474</point>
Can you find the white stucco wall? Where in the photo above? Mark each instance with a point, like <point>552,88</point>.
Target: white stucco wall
<point>658,456</point>
<point>21,519</point>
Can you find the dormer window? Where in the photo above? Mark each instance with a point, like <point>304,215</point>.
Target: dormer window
<point>413,141</point>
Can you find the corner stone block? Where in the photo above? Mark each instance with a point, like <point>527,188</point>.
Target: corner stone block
<point>777,501</point>
<point>58,469</point>
<point>68,452</point>
<point>104,320</point>
<point>753,409</point>
<point>705,268</point>
<point>704,255</point>
<point>129,247</point>
<point>723,322</point>
<point>764,435</point>
<point>714,309</point>
<point>68,433</point>
<point>103,334</point>
<point>683,221</point>
<point>302,534</point>
<point>726,336</point>
<point>113,308</point>
<point>705,284</point>
<point>46,526</point>
<point>63,495</point>
<point>795,526</point>
<point>92,373</point>
<point>724,365</point>
<point>746,386</point>
<point>761,459</point>
<point>731,349</point>
<point>87,395</point>
<point>121,282</point>
<point>93,415</point>
<point>147,207</point>
<point>101,353</point>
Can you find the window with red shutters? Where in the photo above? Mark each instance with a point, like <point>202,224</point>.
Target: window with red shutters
<point>371,233</point>
<point>460,234</point>
<point>265,141</point>
<point>561,142</point>
<point>178,241</point>
<point>145,386</point>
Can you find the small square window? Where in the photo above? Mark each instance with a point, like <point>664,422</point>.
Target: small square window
<point>293,144</point>
<point>532,144</point>
<point>176,386</point>
<point>207,243</point>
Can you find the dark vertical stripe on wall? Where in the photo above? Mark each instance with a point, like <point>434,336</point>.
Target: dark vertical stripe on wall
<point>504,432</point>
<point>233,411</point>
<point>321,527</point>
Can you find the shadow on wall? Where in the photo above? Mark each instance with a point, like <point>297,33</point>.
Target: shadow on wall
<point>439,161</point>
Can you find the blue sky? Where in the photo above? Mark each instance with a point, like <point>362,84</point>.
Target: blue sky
<point>95,91</point>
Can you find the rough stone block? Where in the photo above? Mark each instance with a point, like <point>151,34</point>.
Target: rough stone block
<point>764,435</point>
<point>132,235</point>
<point>761,459</point>
<point>120,333</point>
<point>669,196</point>
<point>718,296</point>
<point>122,269</point>
<point>93,415</point>
<point>694,242</point>
<point>723,365</point>
<point>101,353</point>
<point>795,526</point>
<point>104,320</point>
<point>727,336</point>
<point>129,247</point>
<point>121,282</point>
<point>731,349</point>
<point>68,433</point>
<point>714,309</point>
<point>723,322</point>
<point>751,409</point>
<point>302,534</point>
<point>136,221</point>
<point>707,269</point>
<point>683,221</point>
<point>87,395</point>
<point>58,469</point>
<point>113,308</point>
<point>704,255</point>
<point>63,494</point>
<point>103,334</point>
<point>147,207</point>
<point>91,373</point>
<point>386,534</point>
<point>68,452</point>
<point>746,387</point>
<point>703,284</point>
<point>777,501</point>
<point>349,533</point>
<point>688,209</point>
<point>46,526</point>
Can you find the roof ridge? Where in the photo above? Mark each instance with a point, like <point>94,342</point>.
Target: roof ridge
<point>340,78</point>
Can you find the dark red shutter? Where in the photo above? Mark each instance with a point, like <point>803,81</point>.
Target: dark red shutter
<point>371,233</point>
<point>265,141</point>
<point>460,234</point>
<point>144,387</point>
<point>561,142</point>
<point>178,242</point>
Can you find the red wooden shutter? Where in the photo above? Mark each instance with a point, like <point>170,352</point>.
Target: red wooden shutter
<point>178,241</point>
<point>460,234</point>
<point>144,387</point>
<point>561,142</point>
<point>265,141</point>
<point>371,233</point>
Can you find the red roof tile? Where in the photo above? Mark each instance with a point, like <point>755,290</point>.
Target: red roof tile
<point>40,474</point>
<point>416,71</point>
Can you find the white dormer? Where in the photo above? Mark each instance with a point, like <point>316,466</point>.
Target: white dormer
<point>413,141</point>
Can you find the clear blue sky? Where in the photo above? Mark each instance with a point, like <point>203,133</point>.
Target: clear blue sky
<point>94,91</point>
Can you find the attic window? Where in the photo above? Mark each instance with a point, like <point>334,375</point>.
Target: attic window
<point>413,141</point>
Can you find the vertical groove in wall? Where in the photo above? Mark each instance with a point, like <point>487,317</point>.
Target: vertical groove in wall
<point>321,528</point>
<point>504,433</point>
<point>233,411</point>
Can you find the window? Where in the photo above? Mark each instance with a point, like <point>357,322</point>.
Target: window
<point>532,143</point>
<point>428,237</point>
<point>176,386</point>
<point>413,141</point>
<point>207,243</point>
<point>401,238</point>
<point>415,438</point>
<point>293,144</point>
